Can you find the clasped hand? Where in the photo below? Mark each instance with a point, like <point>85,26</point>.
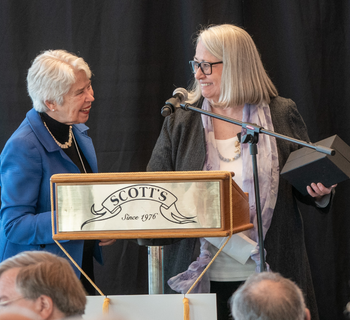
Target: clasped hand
<point>318,190</point>
<point>106,242</point>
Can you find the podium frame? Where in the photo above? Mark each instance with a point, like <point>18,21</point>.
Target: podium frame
<point>234,205</point>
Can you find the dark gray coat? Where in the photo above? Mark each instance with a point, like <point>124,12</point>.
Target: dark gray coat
<point>181,147</point>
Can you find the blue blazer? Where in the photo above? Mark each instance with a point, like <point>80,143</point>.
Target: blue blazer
<point>27,162</point>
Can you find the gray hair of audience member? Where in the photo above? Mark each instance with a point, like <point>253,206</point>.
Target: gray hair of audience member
<point>43,273</point>
<point>51,76</point>
<point>268,296</point>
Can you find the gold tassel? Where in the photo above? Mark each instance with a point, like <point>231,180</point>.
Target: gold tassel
<point>186,309</point>
<point>105,307</point>
<point>185,300</point>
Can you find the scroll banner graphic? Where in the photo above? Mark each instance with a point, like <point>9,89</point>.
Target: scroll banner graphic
<point>112,205</point>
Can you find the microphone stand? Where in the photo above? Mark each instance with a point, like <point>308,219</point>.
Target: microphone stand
<point>252,137</point>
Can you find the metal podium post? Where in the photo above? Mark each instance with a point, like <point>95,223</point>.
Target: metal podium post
<point>155,270</point>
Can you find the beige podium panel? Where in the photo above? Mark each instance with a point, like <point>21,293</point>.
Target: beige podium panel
<point>152,307</point>
<point>147,205</point>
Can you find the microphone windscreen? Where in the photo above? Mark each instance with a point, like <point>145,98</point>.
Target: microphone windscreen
<point>183,92</point>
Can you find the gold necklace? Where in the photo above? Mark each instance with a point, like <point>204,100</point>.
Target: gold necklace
<point>81,160</point>
<point>68,143</point>
<point>237,151</point>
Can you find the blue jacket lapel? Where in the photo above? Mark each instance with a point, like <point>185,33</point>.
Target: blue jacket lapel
<point>79,130</point>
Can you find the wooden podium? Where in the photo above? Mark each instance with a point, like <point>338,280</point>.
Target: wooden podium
<point>147,205</point>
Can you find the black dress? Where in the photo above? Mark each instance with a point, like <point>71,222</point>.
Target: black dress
<point>61,133</point>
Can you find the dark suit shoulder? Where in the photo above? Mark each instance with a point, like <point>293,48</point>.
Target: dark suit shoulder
<point>282,106</point>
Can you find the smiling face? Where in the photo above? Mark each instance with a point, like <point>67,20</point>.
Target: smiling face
<point>210,84</point>
<point>77,102</point>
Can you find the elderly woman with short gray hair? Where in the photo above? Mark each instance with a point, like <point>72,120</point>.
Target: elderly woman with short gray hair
<point>51,139</point>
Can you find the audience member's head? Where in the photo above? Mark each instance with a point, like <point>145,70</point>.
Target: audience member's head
<point>17,313</point>
<point>268,296</point>
<point>42,282</point>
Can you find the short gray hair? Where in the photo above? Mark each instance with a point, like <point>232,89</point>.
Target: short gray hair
<point>268,296</point>
<point>43,273</point>
<point>244,79</point>
<point>51,76</point>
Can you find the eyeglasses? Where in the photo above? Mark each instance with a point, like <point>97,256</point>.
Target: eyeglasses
<point>7,302</point>
<point>206,67</point>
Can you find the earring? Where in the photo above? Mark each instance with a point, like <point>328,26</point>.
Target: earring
<point>53,110</point>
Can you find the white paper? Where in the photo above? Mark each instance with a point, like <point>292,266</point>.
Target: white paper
<point>239,246</point>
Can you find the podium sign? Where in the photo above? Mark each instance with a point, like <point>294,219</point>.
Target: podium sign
<point>147,205</point>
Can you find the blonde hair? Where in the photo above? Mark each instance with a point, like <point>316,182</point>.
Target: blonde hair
<point>244,79</point>
<point>51,76</point>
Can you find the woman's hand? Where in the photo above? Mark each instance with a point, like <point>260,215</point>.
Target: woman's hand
<point>106,242</point>
<point>318,190</point>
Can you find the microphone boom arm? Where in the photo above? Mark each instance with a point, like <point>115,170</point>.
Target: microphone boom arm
<point>254,128</point>
<point>252,137</point>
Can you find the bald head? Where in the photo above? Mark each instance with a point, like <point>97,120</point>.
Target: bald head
<point>276,290</point>
<point>269,296</point>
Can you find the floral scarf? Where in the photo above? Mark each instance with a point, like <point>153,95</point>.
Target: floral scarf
<point>268,168</point>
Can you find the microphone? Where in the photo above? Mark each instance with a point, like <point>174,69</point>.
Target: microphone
<point>180,95</point>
